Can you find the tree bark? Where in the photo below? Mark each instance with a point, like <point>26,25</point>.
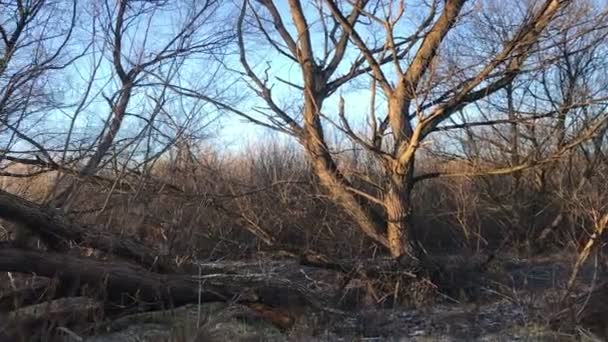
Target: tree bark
<point>349,202</point>
<point>330,177</point>
<point>398,211</point>
<point>399,174</point>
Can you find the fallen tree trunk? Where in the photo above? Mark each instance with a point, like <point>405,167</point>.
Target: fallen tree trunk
<point>64,310</point>
<point>29,294</point>
<point>32,323</point>
<point>116,281</point>
<point>55,230</point>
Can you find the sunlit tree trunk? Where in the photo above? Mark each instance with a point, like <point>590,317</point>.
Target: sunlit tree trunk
<point>398,204</point>
<point>329,176</point>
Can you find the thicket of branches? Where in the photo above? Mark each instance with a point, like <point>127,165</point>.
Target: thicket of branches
<point>392,128</point>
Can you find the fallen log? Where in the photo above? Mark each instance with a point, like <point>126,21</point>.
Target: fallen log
<point>63,310</point>
<point>444,271</point>
<point>123,283</point>
<point>30,322</point>
<point>32,293</point>
<point>56,230</point>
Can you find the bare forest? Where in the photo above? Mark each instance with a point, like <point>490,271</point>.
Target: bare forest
<point>303,170</point>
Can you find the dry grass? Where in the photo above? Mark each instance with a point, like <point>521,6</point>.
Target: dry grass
<point>266,198</point>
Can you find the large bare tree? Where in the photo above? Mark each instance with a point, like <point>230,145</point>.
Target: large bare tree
<point>427,61</point>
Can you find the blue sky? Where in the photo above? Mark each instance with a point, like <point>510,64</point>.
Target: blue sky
<point>235,131</point>
<point>70,84</point>
<point>202,70</point>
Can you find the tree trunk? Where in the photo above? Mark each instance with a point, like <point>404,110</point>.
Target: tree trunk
<point>117,115</point>
<point>399,213</point>
<point>119,281</point>
<point>330,177</point>
<point>56,230</point>
<point>399,174</point>
<point>349,202</point>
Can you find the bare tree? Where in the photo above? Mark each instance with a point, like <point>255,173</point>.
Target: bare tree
<point>407,50</point>
<point>34,47</point>
<point>140,62</point>
<point>553,117</point>
<point>65,64</point>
